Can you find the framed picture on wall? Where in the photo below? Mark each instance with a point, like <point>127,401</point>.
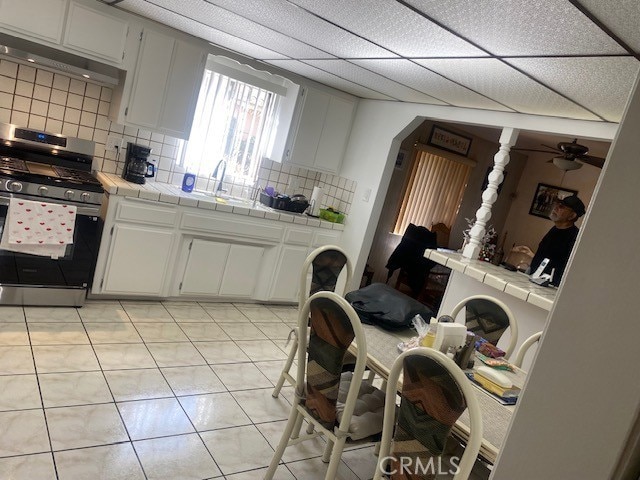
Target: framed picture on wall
<point>545,197</point>
<point>450,141</point>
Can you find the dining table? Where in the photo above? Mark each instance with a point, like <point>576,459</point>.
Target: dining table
<point>382,350</point>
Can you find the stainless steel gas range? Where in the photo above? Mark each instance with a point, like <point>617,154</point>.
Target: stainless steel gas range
<point>52,169</point>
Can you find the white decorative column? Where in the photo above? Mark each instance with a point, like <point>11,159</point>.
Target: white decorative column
<point>489,196</point>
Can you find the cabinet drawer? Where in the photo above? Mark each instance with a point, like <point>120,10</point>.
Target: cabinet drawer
<point>325,238</point>
<point>228,226</point>
<point>298,236</point>
<point>147,213</point>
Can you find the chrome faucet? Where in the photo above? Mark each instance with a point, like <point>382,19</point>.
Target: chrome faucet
<point>256,194</point>
<point>220,178</point>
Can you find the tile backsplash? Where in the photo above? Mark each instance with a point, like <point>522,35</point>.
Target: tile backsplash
<point>57,103</point>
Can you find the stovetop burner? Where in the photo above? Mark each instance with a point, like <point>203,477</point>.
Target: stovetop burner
<point>75,175</point>
<point>11,164</point>
<point>36,164</point>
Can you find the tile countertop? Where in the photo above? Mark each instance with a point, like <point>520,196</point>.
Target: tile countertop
<point>167,193</point>
<point>512,283</point>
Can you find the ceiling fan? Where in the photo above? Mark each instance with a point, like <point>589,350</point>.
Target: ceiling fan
<point>571,156</point>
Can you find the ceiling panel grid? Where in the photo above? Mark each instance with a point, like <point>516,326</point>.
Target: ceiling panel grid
<point>496,80</point>
<point>521,27</point>
<point>392,25</point>
<point>305,27</point>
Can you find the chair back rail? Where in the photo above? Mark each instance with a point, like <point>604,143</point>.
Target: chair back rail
<point>433,401</point>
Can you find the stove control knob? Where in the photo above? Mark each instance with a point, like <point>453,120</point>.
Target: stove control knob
<point>85,196</point>
<point>43,190</point>
<point>69,194</point>
<point>14,186</point>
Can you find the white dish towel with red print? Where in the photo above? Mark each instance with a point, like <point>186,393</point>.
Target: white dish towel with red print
<point>38,228</point>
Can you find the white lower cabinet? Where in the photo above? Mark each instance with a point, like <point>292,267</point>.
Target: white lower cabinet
<point>286,278</point>
<point>137,260</point>
<point>241,271</point>
<point>216,268</point>
<point>155,249</point>
<point>205,267</point>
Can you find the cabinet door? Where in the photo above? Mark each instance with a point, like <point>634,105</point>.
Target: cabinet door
<point>309,128</point>
<point>41,19</point>
<point>95,33</point>
<point>335,134</point>
<point>150,80</point>
<point>286,280</point>
<point>183,86</point>
<point>205,267</point>
<point>241,271</point>
<point>137,260</point>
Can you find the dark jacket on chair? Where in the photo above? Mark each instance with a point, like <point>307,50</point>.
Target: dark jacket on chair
<point>409,256</point>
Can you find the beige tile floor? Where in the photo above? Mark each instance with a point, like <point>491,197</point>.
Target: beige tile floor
<point>156,390</point>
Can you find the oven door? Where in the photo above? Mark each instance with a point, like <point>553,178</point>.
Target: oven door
<point>38,280</point>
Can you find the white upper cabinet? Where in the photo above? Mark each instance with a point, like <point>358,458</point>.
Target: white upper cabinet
<point>162,91</point>
<point>82,27</point>
<point>37,19</point>
<point>96,33</point>
<point>320,137</point>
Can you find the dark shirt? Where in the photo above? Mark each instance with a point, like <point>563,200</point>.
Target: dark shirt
<point>556,245</point>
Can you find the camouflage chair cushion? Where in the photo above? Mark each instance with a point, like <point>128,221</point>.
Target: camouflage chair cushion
<point>486,319</point>
<point>330,336</point>
<point>326,269</point>
<point>431,402</point>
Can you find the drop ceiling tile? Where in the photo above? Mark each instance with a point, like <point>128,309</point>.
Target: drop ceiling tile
<point>393,26</point>
<point>418,77</point>
<point>180,15</point>
<point>601,84</point>
<point>621,16</point>
<point>496,80</point>
<point>284,17</point>
<point>522,27</point>
<point>366,78</point>
<point>329,79</point>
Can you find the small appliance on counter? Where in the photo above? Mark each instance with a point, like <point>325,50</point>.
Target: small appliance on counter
<point>137,167</point>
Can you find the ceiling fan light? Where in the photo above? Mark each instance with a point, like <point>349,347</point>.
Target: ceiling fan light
<point>564,164</point>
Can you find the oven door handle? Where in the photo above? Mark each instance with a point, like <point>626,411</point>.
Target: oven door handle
<point>82,209</point>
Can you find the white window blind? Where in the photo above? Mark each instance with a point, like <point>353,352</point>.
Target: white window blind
<point>233,121</point>
<point>434,191</point>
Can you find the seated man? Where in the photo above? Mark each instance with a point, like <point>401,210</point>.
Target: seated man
<point>557,244</point>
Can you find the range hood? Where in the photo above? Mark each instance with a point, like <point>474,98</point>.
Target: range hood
<point>41,56</point>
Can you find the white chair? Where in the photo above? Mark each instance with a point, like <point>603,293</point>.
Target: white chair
<point>489,317</point>
<point>320,384</point>
<point>435,392</point>
<point>326,264</point>
<point>522,351</point>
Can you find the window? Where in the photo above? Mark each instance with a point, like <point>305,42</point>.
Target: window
<point>238,114</point>
<point>434,191</point>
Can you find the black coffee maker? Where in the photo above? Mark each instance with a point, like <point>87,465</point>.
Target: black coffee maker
<point>137,166</point>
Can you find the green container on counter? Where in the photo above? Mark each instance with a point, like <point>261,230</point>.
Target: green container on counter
<point>331,216</point>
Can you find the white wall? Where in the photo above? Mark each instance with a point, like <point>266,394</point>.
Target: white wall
<point>582,395</point>
<point>378,129</point>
